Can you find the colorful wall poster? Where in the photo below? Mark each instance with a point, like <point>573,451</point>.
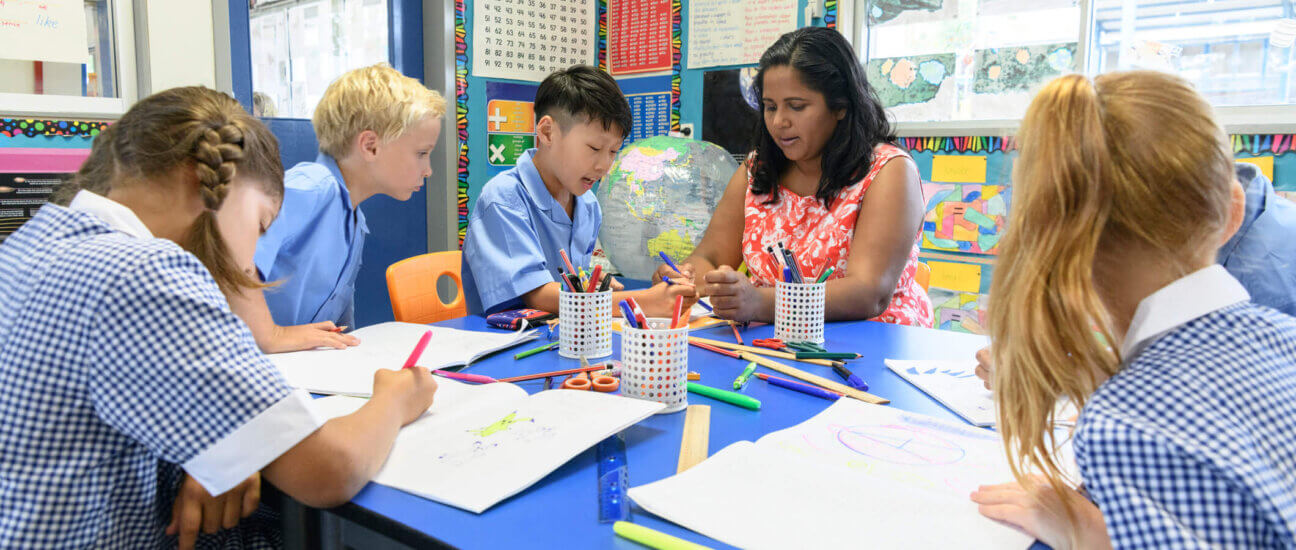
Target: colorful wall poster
<point>639,36</point>
<point>527,40</point>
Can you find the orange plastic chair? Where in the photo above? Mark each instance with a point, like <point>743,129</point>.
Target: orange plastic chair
<point>412,286</point>
<point>922,275</point>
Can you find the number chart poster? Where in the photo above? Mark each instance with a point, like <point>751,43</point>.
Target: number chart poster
<point>639,36</point>
<point>528,39</point>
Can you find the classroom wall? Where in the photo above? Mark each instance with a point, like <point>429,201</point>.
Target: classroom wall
<point>476,92</point>
<point>180,44</point>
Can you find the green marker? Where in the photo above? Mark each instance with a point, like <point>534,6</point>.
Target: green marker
<point>746,373</point>
<point>826,355</point>
<point>653,538</point>
<point>726,396</point>
<point>530,352</point>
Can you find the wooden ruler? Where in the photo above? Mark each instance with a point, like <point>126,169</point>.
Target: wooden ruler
<point>761,351</point>
<point>813,379</point>
<point>697,431</point>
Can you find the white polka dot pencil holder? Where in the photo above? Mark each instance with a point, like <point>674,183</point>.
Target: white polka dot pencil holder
<point>654,364</point>
<point>585,324</point>
<point>799,312</point>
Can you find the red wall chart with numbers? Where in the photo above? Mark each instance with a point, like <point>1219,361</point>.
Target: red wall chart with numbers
<point>639,33</point>
<point>528,39</point>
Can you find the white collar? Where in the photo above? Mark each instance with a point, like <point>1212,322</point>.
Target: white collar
<point>113,213</point>
<point>1193,296</point>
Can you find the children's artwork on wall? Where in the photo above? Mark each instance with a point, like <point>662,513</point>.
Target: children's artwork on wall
<point>964,217</point>
<point>904,12</point>
<point>730,109</point>
<point>1021,68</point>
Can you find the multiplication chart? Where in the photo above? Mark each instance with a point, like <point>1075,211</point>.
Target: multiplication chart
<point>528,39</point>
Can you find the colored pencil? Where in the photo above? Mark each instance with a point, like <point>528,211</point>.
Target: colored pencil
<point>554,373</point>
<point>707,347</point>
<point>737,336</point>
<point>760,351</point>
<point>533,351</point>
<point>825,275</point>
<point>813,379</point>
<point>475,378</point>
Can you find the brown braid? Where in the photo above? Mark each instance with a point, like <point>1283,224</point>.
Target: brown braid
<point>191,126</point>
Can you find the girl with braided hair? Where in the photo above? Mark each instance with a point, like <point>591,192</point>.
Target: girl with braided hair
<point>135,388</point>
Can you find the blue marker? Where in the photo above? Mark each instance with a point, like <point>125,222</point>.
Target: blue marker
<point>672,265</point>
<point>629,314</point>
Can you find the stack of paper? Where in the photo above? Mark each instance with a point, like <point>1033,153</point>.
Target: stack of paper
<point>854,475</point>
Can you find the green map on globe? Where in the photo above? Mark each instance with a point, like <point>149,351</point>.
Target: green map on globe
<point>658,197</point>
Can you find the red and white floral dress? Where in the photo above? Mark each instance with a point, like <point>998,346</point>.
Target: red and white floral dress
<point>822,237</point>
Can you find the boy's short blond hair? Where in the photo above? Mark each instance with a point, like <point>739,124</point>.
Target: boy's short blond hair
<point>376,98</point>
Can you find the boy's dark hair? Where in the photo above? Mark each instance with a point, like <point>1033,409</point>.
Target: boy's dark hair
<point>585,94</point>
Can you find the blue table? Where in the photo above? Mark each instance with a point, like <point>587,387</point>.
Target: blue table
<point>560,510</point>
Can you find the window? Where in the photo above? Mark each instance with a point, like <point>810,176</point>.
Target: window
<point>934,60</point>
<point>967,60</point>
<point>1237,52</point>
<point>299,47</point>
<point>66,58</point>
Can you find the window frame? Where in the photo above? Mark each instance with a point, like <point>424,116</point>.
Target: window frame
<point>122,28</point>
<point>1236,119</point>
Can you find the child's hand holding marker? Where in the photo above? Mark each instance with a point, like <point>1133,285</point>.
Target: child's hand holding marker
<point>676,273</point>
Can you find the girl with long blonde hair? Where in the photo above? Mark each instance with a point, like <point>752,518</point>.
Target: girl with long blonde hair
<point>1108,294</point>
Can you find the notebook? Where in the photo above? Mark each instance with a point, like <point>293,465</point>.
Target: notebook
<point>855,474</point>
<point>478,445</point>
<point>956,385</point>
<point>386,346</point>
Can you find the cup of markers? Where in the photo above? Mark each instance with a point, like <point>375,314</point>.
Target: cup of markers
<point>798,301</point>
<point>584,314</point>
<point>654,357</point>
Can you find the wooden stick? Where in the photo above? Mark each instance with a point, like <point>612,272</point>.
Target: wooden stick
<point>762,351</point>
<point>813,379</point>
<point>697,430</point>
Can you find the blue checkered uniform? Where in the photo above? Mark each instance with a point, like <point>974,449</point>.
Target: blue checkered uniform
<point>119,359</point>
<point>1194,443</point>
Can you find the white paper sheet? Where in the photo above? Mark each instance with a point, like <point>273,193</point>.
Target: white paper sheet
<point>954,384</point>
<point>386,346</point>
<point>53,30</point>
<point>854,475</point>
<point>495,441</point>
<point>736,32</point>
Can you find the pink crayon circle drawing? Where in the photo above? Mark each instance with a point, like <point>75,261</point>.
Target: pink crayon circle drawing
<point>899,444</point>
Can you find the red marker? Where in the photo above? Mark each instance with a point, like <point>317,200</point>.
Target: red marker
<point>418,350</point>
<point>679,308</point>
<point>592,286</point>
<point>638,313</point>
<point>567,261</point>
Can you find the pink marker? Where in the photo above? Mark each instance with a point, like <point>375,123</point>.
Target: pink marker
<point>475,378</point>
<point>418,350</point>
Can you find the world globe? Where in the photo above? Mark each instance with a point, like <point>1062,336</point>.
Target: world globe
<point>658,197</point>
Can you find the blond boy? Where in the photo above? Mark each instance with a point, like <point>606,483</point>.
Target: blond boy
<point>376,130</point>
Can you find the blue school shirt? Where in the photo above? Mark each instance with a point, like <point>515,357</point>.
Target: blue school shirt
<point>313,248</point>
<point>122,363</point>
<point>514,234</point>
<point>1193,443</point>
<point>1262,254</point>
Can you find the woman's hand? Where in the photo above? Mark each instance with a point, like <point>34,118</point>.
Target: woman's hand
<point>733,296</point>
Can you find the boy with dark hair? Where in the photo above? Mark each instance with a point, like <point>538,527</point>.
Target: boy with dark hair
<point>526,215</point>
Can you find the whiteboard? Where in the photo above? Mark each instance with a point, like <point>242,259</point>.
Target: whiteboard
<point>48,30</point>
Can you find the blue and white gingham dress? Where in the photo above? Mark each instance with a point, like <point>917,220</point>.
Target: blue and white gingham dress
<point>1193,444</point>
<point>119,361</point>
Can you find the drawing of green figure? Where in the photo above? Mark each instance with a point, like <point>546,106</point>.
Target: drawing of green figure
<point>500,425</point>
